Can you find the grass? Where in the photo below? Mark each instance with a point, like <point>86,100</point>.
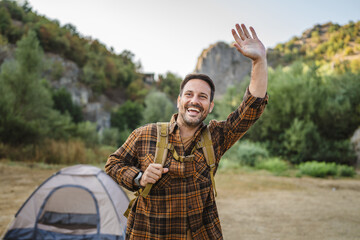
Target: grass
<point>57,152</point>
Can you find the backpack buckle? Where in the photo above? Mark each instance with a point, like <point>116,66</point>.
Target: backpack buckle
<point>188,158</point>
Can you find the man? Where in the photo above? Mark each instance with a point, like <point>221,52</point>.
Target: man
<point>181,203</point>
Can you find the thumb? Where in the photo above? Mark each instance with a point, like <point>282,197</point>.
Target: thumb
<point>165,170</point>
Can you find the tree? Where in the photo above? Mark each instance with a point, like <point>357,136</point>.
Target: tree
<point>25,102</point>
<point>170,84</point>
<point>64,104</point>
<point>128,116</point>
<point>158,108</point>
<point>309,114</point>
<point>5,21</point>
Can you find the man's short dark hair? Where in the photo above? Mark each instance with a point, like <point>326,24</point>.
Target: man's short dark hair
<point>200,76</point>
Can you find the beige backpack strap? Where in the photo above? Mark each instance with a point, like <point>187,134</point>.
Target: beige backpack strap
<point>208,149</point>
<point>161,150</point>
<point>160,157</point>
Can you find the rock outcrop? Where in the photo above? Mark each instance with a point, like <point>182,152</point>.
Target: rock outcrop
<point>224,64</point>
<point>95,108</point>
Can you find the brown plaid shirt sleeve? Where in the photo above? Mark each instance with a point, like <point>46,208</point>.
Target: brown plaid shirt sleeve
<point>226,133</point>
<point>183,198</point>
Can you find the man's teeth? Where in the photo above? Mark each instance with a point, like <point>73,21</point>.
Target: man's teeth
<point>193,109</point>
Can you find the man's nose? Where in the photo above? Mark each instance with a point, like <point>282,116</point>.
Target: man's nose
<point>195,100</point>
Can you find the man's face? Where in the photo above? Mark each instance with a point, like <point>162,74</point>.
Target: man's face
<point>194,103</point>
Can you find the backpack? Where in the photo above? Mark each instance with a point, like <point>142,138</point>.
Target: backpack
<point>162,147</point>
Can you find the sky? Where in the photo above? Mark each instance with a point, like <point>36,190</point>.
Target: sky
<point>169,35</point>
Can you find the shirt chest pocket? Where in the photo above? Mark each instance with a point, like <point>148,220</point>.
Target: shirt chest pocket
<point>202,169</point>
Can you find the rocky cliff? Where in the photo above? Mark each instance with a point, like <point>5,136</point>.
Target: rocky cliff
<point>95,108</point>
<point>224,64</point>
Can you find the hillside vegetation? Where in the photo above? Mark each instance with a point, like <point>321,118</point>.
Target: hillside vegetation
<point>326,43</point>
<point>314,109</point>
<point>314,106</point>
<point>102,68</point>
<point>43,123</point>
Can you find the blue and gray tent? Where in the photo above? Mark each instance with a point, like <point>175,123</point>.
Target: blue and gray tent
<point>78,202</point>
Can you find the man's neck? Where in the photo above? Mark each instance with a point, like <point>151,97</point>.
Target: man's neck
<point>185,130</point>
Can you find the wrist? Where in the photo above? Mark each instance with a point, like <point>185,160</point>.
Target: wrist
<point>260,61</point>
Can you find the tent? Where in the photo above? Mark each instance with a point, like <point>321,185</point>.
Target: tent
<point>78,202</point>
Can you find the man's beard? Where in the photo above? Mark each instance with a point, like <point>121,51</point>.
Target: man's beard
<point>193,122</point>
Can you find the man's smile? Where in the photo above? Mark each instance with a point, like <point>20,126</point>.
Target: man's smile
<point>193,111</point>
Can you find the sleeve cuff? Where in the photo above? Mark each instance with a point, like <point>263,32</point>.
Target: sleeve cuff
<point>256,101</point>
<point>129,176</point>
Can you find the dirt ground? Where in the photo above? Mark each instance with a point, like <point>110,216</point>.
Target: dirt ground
<point>252,205</point>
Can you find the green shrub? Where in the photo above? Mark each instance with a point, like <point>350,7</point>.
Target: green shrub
<point>274,165</point>
<point>247,153</point>
<point>87,132</point>
<point>318,169</point>
<point>345,171</point>
<point>158,108</point>
<point>110,137</point>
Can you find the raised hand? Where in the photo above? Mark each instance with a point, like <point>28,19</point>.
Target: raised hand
<point>249,46</point>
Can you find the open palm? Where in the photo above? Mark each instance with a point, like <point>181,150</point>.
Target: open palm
<point>249,46</point>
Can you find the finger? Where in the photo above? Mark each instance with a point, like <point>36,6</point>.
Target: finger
<point>151,177</point>
<point>156,165</point>
<point>165,170</point>
<point>150,180</point>
<point>240,31</point>
<point>253,33</point>
<point>246,32</point>
<point>235,35</point>
<point>155,171</point>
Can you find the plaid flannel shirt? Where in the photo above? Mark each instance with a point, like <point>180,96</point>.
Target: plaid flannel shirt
<point>183,198</point>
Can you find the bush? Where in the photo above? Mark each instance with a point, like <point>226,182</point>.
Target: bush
<point>110,137</point>
<point>274,165</point>
<point>322,169</point>
<point>128,115</point>
<point>296,126</point>
<point>318,169</point>
<point>87,132</point>
<point>301,140</point>
<point>158,108</point>
<point>345,171</point>
<point>226,164</point>
<point>247,153</point>
<point>63,103</point>
<point>61,152</point>
<point>17,153</point>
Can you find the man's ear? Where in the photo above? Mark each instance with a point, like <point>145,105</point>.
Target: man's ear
<point>211,106</point>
